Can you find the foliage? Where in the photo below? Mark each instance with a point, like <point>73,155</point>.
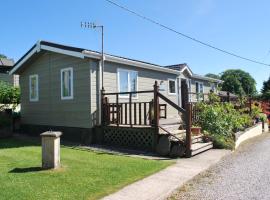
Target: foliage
<point>262,117</point>
<point>9,94</point>
<point>221,142</point>
<point>238,82</point>
<point>255,110</point>
<point>84,174</point>
<point>266,86</point>
<point>2,56</point>
<point>266,89</point>
<point>266,95</point>
<point>221,121</point>
<point>213,98</point>
<point>210,75</point>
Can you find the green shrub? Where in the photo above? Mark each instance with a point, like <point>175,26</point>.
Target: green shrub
<point>221,121</point>
<point>220,142</point>
<point>9,94</point>
<point>263,117</point>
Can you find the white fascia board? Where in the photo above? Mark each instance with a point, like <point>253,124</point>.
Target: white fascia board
<point>62,51</point>
<point>124,61</point>
<point>91,54</point>
<point>187,68</point>
<point>35,50</point>
<point>47,48</point>
<point>207,79</point>
<point>140,64</point>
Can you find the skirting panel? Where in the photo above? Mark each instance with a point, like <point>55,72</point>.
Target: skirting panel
<point>138,138</point>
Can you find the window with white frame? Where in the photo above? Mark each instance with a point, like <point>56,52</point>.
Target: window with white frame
<point>199,90</point>
<point>213,87</point>
<point>33,88</point>
<point>67,83</point>
<point>127,82</point>
<point>189,89</point>
<point>172,86</point>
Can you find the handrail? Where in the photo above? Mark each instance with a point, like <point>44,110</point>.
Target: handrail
<point>134,92</point>
<point>171,103</point>
<point>170,134</point>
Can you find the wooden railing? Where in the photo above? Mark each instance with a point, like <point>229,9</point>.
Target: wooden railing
<point>127,113</point>
<point>132,112</point>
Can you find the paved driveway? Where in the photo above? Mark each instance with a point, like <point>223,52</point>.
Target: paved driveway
<point>244,174</point>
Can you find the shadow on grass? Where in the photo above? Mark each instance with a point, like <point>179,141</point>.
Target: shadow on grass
<point>16,142</point>
<point>26,170</point>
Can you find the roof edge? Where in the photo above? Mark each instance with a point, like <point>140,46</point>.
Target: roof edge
<point>82,53</point>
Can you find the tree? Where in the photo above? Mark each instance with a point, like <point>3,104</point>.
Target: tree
<point>266,89</point>
<point>2,56</point>
<point>212,76</point>
<point>238,82</point>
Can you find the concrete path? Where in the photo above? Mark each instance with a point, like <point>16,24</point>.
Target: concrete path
<point>243,175</point>
<point>162,184</point>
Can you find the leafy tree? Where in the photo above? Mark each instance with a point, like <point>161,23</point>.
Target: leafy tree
<point>238,82</point>
<point>2,56</point>
<point>212,76</point>
<point>266,89</point>
<point>9,94</point>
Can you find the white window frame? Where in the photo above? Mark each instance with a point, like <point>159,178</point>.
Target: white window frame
<point>199,89</point>
<point>72,80</point>
<point>175,85</point>
<point>215,87</point>
<point>125,96</point>
<point>37,88</point>
<point>189,84</point>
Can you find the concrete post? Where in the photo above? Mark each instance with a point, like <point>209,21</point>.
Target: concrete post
<point>50,149</point>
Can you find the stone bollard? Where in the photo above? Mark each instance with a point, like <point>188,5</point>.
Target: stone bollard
<point>50,149</point>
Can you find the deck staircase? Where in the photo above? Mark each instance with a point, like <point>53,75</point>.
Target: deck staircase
<point>172,128</point>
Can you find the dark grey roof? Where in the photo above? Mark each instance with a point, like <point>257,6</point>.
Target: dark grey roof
<point>197,76</point>
<point>76,49</point>
<point>225,93</point>
<point>178,67</point>
<point>6,62</point>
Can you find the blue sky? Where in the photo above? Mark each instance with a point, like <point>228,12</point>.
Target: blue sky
<point>238,26</point>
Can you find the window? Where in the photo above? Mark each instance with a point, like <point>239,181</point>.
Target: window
<point>33,87</point>
<point>172,86</point>
<point>199,90</point>
<point>189,90</point>
<point>213,87</point>
<point>67,83</point>
<point>127,82</point>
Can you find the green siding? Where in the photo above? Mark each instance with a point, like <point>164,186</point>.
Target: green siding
<point>50,109</point>
<point>146,80</point>
<point>6,77</point>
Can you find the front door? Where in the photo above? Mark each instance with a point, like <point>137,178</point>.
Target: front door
<point>184,93</point>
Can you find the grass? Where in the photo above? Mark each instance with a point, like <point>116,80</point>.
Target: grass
<point>84,174</point>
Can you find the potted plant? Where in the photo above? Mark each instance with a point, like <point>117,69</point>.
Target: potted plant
<point>196,130</point>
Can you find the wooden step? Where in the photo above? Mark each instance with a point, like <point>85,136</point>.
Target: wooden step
<point>200,147</point>
<point>197,139</point>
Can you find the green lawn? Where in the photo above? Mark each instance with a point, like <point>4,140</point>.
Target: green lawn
<point>84,174</point>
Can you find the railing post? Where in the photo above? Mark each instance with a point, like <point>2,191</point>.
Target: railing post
<point>130,109</point>
<point>228,97</point>
<point>188,129</point>
<point>117,109</point>
<point>156,105</point>
<point>102,107</point>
